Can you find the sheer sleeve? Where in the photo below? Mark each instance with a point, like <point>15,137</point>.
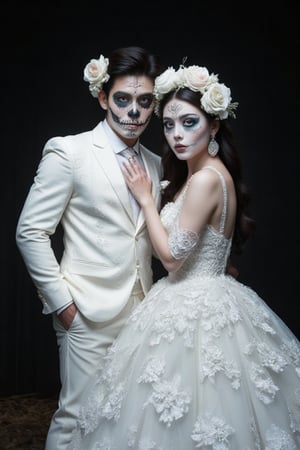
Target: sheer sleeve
<point>181,241</point>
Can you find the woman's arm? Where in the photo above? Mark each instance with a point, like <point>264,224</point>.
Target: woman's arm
<point>173,249</point>
<point>140,185</point>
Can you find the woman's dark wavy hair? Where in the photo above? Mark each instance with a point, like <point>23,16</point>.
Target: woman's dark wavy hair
<point>176,171</point>
<point>131,61</point>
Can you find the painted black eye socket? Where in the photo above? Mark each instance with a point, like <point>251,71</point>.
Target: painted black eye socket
<point>145,101</point>
<point>121,99</point>
<point>168,124</point>
<point>190,121</point>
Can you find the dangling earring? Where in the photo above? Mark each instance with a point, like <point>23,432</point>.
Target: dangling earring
<point>213,147</point>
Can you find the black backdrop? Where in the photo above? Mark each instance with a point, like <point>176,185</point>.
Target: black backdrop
<point>45,47</point>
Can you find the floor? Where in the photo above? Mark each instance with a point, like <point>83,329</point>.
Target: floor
<point>24,421</point>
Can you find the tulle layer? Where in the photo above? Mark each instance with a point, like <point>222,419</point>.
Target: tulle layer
<point>203,363</point>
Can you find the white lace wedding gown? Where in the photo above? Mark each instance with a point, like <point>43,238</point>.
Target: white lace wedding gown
<point>203,363</point>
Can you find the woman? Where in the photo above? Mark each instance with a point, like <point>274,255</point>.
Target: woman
<point>203,361</point>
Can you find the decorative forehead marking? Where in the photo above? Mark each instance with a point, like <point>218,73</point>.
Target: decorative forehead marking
<point>135,83</point>
<point>174,109</point>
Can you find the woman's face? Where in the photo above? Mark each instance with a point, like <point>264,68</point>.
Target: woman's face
<point>186,129</point>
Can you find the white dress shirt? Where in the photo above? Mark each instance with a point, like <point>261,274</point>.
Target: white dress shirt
<point>118,146</point>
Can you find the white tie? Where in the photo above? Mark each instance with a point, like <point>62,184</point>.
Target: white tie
<point>130,153</point>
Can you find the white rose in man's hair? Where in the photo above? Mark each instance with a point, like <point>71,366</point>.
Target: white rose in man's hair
<point>95,73</point>
<point>216,100</point>
<point>195,78</point>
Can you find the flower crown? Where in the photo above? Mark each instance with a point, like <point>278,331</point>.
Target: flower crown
<point>95,73</point>
<point>215,99</point>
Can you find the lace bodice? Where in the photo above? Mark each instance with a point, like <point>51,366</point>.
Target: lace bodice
<point>209,256</point>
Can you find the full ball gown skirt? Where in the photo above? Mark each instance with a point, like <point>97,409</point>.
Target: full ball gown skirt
<point>203,363</point>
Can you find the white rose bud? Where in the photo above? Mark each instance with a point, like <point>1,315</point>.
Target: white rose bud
<point>163,184</point>
<point>216,100</point>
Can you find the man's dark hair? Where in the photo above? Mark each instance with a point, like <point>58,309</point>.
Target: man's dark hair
<point>131,61</point>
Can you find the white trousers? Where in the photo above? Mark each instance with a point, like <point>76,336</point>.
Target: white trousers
<point>80,350</point>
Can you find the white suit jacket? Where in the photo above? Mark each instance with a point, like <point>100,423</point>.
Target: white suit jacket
<point>79,183</point>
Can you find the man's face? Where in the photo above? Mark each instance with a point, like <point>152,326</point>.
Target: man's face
<point>130,105</point>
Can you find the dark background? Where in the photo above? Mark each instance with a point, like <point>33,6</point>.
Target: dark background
<point>45,47</point>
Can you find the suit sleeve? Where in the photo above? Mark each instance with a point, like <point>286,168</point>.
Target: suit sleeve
<point>41,213</point>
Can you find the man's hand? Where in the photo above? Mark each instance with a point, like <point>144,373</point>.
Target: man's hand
<point>67,316</point>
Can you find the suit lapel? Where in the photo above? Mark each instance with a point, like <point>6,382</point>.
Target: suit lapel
<point>107,160</point>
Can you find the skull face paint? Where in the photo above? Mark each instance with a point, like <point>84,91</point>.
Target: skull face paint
<point>186,129</point>
<point>130,105</point>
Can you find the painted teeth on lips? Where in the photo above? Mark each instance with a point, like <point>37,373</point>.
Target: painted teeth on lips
<point>135,124</point>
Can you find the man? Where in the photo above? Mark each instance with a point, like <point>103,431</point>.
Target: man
<point>105,269</point>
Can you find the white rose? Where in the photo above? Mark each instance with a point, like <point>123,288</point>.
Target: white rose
<point>195,77</point>
<point>180,78</point>
<point>95,72</point>
<point>216,100</point>
<point>165,82</point>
